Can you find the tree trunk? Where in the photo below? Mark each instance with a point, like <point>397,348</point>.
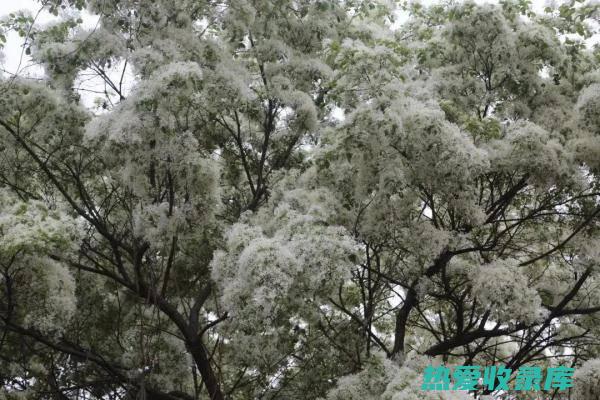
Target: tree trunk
<point>199,353</point>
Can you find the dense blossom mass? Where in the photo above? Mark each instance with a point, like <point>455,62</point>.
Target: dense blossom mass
<point>298,199</point>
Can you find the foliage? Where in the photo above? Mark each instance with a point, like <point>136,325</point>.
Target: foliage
<point>298,199</point>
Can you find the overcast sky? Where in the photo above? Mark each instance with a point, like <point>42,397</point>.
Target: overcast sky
<point>13,57</point>
<point>12,50</point>
<point>14,60</point>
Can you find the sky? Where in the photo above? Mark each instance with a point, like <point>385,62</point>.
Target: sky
<point>13,59</point>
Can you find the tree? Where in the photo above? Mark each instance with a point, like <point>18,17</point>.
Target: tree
<point>215,230</point>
